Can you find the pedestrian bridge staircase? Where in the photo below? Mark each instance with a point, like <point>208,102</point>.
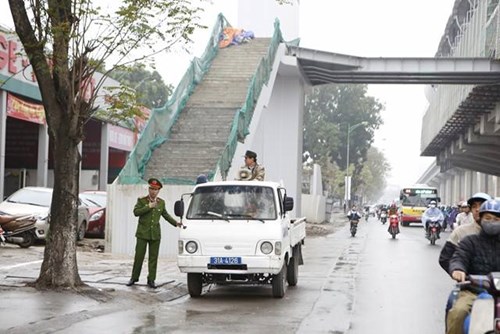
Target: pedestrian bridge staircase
<point>211,109</point>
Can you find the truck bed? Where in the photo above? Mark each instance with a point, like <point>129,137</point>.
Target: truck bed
<point>297,230</point>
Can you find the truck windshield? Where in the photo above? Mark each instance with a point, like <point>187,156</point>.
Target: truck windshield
<point>233,202</point>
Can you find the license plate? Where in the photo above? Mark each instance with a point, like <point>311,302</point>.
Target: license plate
<point>225,260</point>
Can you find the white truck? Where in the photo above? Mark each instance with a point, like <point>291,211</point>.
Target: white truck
<point>239,232</point>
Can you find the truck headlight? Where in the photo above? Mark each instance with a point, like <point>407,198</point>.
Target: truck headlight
<point>180,246</point>
<point>266,247</point>
<point>191,247</point>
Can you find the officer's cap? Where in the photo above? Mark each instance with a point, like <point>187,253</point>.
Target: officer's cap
<point>154,183</point>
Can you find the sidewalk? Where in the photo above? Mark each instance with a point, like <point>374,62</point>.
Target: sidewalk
<point>104,271</point>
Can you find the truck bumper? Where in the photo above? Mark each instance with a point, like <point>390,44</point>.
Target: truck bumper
<point>249,265</point>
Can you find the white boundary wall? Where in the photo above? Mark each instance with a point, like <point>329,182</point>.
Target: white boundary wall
<point>121,223</point>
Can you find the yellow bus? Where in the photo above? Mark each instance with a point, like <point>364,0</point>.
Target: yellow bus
<point>414,201</point>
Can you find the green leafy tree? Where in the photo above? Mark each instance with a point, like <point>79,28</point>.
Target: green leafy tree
<point>330,110</point>
<point>372,181</point>
<point>66,41</point>
<point>151,90</point>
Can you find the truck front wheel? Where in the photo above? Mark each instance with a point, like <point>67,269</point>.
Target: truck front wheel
<point>279,283</point>
<point>194,282</point>
<point>292,273</point>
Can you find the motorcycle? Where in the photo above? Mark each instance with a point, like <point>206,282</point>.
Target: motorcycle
<point>383,217</point>
<point>393,226</point>
<point>20,231</point>
<point>354,227</point>
<point>485,313</point>
<point>434,230</point>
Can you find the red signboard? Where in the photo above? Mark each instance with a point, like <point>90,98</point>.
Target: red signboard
<point>121,138</point>
<point>26,111</point>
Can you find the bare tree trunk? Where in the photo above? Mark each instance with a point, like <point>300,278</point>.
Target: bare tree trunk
<point>59,267</point>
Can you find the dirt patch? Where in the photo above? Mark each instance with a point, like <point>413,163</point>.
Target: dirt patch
<point>337,221</point>
<point>90,245</point>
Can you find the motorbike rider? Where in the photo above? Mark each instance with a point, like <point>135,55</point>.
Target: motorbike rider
<point>477,254</point>
<point>383,209</point>
<point>474,203</point>
<point>383,213</point>
<point>464,217</point>
<point>393,219</point>
<point>452,215</point>
<point>432,214</point>
<point>393,209</point>
<point>445,215</point>
<point>353,214</point>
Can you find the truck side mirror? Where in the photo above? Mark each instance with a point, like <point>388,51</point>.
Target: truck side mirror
<point>288,204</point>
<point>179,208</point>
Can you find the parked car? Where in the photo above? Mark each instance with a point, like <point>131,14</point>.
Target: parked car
<point>36,201</point>
<point>95,201</point>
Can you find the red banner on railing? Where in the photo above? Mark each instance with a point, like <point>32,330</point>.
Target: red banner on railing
<point>26,111</point>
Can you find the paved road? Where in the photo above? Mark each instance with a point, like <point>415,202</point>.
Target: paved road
<point>400,286</point>
<point>347,285</point>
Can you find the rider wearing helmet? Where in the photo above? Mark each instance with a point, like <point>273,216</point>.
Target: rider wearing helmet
<point>464,217</point>
<point>474,202</point>
<point>477,254</point>
<point>433,213</point>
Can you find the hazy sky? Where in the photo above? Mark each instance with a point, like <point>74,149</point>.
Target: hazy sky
<point>371,28</point>
<point>384,28</point>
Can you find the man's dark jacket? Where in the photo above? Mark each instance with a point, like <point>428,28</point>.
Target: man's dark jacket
<point>477,254</point>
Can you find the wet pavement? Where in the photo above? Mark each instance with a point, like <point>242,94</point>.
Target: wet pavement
<point>24,309</point>
<point>112,307</point>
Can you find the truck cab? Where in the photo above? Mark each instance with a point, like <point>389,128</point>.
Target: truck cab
<point>239,232</point>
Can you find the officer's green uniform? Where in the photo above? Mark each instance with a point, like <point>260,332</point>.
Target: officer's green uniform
<point>148,232</point>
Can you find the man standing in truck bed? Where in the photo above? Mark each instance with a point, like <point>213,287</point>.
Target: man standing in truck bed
<point>252,170</point>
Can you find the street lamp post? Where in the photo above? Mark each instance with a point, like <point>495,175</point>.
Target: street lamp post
<point>347,177</point>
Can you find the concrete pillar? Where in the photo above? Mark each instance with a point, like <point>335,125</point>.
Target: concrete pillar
<point>104,161</point>
<point>3,133</point>
<point>451,196</point>
<point>43,156</point>
<point>280,128</point>
<point>496,186</point>
<point>442,188</point>
<point>316,183</point>
<point>491,188</point>
<point>457,189</point>
<point>476,180</point>
<point>468,183</point>
<point>482,181</point>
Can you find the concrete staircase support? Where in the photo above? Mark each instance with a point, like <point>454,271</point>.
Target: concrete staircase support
<point>200,134</point>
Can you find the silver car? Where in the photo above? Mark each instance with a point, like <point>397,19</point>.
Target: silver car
<point>36,201</point>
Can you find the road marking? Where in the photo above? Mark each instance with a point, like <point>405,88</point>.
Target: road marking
<point>20,265</point>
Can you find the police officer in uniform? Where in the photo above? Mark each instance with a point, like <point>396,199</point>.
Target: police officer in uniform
<point>149,209</point>
<point>252,170</point>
